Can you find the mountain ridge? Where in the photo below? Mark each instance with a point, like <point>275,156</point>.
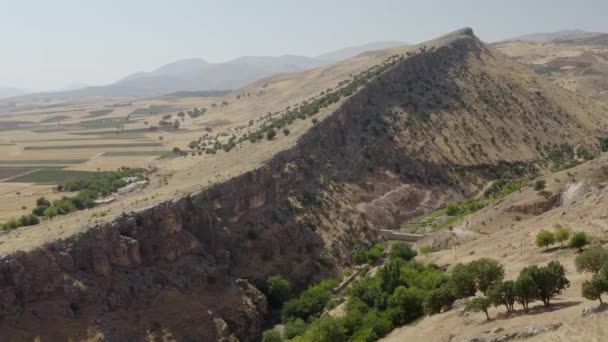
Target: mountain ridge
<point>196,74</point>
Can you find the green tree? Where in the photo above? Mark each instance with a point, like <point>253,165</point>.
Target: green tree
<point>364,335</point>
<point>561,234</point>
<point>479,304</point>
<point>29,220</point>
<point>425,249</point>
<point>591,260</point>
<point>503,294</point>
<point>406,304</point>
<point>51,212</point>
<point>272,336</point>
<point>326,329</point>
<point>309,303</point>
<point>379,322</point>
<point>593,289</point>
<point>294,328</point>
<point>578,240</point>
<point>463,281</point>
<point>369,291</point>
<point>544,239</point>
<point>550,280</point>
<point>452,209</point>
<point>278,290</point>
<point>525,290</point>
<point>540,185</point>
<point>271,133</point>
<point>390,275</point>
<point>375,252</point>
<point>486,273</point>
<point>41,201</point>
<point>438,299</point>
<point>403,251</point>
<point>39,210</point>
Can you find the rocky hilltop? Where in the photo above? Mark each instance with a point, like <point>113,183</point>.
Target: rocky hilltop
<point>437,125</point>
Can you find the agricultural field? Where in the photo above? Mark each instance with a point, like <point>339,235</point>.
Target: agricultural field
<point>52,176</point>
<point>42,145</point>
<point>9,172</point>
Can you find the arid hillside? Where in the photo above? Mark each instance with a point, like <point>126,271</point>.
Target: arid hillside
<point>505,230</point>
<point>578,63</point>
<point>303,172</point>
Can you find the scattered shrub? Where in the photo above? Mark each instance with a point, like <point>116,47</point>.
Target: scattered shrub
<point>425,249</point>
<point>591,260</point>
<point>544,239</point>
<point>578,240</point>
<point>540,185</point>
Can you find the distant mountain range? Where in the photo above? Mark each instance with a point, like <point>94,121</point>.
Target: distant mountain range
<point>545,37</point>
<point>196,74</point>
<point>10,92</point>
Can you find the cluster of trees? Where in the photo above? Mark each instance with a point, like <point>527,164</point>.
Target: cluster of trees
<point>100,185</point>
<point>370,255</point>
<point>486,275</point>
<point>594,260</point>
<point>502,187</point>
<point>16,222</point>
<point>397,294</point>
<point>403,290</point>
<point>167,124</point>
<point>560,235</point>
<point>466,207</point>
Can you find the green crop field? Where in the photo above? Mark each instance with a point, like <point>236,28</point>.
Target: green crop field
<point>103,123</point>
<point>155,110</point>
<point>117,137</point>
<point>63,147</point>
<point>100,112</point>
<point>53,176</point>
<point>137,154</point>
<point>42,162</point>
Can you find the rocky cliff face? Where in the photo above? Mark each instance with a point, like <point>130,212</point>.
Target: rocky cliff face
<point>184,269</point>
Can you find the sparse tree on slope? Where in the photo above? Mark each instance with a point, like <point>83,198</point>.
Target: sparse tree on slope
<point>503,294</point>
<point>593,289</point>
<point>579,240</point>
<point>486,272</point>
<point>480,304</point>
<point>525,290</point>
<point>561,235</point>
<point>591,260</point>
<point>545,239</point>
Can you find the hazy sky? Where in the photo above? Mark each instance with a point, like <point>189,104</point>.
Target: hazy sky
<point>49,44</point>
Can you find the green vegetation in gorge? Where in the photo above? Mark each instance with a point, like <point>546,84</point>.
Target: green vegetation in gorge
<point>402,290</point>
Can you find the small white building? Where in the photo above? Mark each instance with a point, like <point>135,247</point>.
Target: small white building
<point>104,200</point>
<point>131,187</point>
